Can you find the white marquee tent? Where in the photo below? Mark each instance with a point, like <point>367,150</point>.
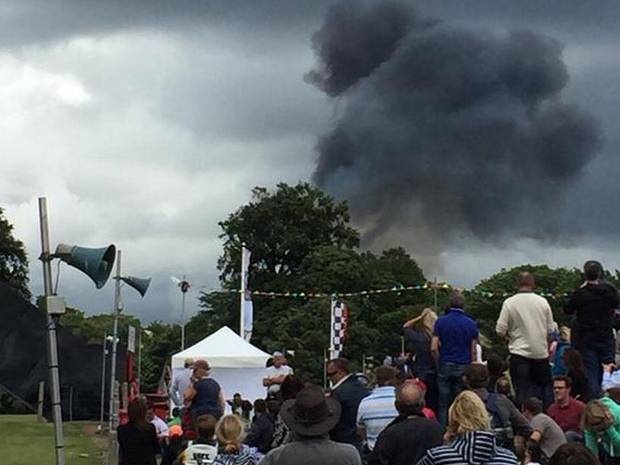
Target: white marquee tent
<point>235,364</point>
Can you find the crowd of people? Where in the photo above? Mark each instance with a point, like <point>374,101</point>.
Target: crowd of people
<point>554,400</point>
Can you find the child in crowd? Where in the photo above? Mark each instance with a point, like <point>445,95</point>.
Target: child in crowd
<point>246,411</point>
<point>174,447</point>
<point>203,450</point>
<point>175,419</point>
<point>498,369</point>
<point>559,368</point>
<point>231,450</point>
<point>235,403</point>
<point>160,425</point>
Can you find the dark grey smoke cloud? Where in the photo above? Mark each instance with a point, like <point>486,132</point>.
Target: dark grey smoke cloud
<point>446,131</point>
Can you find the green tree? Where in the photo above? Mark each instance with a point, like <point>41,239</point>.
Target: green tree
<point>159,342</point>
<point>13,259</point>
<point>301,240</point>
<point>93,328</point>
<point>281,228</point>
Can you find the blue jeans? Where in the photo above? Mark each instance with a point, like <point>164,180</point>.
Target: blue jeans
<point>449,385</point>
<point>595,352</point>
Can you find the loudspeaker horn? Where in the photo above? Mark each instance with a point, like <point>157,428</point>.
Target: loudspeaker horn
<point>96,263</point>
<point>139,284</point>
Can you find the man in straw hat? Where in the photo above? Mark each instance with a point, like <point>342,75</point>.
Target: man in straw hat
<point>310,416</point>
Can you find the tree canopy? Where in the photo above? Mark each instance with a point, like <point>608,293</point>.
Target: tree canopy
<point>301,239</point>
<point>13,259</point>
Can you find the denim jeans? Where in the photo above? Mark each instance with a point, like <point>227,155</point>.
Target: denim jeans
<point>595,352</point>
<point>449,384</point>
<point>531,378</point>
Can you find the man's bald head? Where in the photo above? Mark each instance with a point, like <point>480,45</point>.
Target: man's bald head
<point>526,280</point>
<point>409,399</point>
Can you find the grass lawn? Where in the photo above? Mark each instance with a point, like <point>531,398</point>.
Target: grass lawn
<point>24,441</point>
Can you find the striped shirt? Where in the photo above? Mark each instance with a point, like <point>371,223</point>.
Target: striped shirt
<point>476,447</point>
<point>376,411</point>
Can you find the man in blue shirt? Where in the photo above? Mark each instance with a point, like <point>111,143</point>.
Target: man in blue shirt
<point>453,347</point>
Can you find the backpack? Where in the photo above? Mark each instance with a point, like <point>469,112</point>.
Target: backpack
<point>504,435</point>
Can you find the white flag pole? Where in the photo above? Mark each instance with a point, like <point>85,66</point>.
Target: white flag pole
<point>242,293</point>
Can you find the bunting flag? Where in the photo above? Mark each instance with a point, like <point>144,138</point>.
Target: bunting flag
<point>395,289</point>
<point>247,307</point>
<point>339,323</point>
<point>248,316</point>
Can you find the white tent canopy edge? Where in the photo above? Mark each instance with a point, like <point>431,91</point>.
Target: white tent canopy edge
<point>236,365</point>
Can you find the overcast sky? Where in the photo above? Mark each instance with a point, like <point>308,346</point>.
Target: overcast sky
<point>144,123</point>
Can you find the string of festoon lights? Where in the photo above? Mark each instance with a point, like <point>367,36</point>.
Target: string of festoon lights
<point>427,286</point>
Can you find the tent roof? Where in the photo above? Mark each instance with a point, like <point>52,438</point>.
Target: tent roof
<point>223,349</point>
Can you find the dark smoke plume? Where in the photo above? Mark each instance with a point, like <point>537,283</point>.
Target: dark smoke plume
<point>446,132</point>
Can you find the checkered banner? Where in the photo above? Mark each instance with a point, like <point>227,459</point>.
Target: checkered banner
<point>339,322</point>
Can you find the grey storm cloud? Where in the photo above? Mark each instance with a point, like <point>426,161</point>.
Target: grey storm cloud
<point>39,21</point>
<point>460,130</point>
<point>184,106</point>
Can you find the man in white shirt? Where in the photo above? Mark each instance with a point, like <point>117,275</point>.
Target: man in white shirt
<point>527,322</point>
<point>275,374</point>
<point>181,381</point>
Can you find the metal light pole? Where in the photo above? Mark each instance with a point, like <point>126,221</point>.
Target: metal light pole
<point>52,346</point>
<point>184,285</point>
<point>103,364</point>
<point>117,302</point>
<point>140,357</point>
<point>184,289</point>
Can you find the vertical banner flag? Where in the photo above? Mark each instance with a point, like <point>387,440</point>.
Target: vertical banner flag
<point>247,307</point>
<point>131,339</point>
<point>339,322</point>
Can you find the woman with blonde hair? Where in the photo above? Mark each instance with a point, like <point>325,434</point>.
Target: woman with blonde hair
<point>418,333</point>
<point>472,441</point>
<point>601,425</point>
<point>231,450</point>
